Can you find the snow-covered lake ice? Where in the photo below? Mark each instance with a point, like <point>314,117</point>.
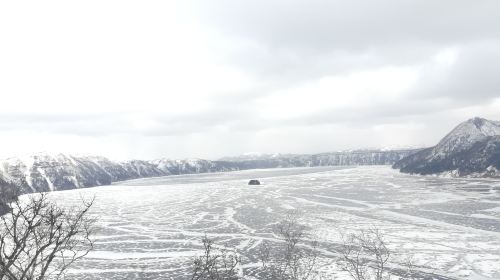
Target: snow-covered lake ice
<point>152,228</point>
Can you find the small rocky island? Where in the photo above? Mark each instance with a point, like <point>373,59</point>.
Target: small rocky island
<point>254,182</point>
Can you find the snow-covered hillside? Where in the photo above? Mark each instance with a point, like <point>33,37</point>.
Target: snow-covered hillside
<point>192,166</point>
<point>471,149</point>
<point>465,135</point>
<point>44,172</point>
<point>354,157</point>
<point>254,156</point>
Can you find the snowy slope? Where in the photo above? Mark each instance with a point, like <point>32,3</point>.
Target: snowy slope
<point>471,149</point>
<point>354,157</point>
<point>191,166</point>
<point>44,172</point>
<point>465,135</point>
<point>254,156</point>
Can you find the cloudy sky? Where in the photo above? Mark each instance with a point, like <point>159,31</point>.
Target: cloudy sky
<point>149,79</point>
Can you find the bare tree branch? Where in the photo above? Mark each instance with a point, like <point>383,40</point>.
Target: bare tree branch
<point>365,255</point>
<point>215,264</point>
<point>39,240</point>
<point>291,259</point>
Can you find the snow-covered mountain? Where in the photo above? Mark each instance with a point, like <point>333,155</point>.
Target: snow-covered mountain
<point>253,156</point>
<point>354,157</point>
<point>471,149</point>
<point>7,194</point>
<point>190,166</point>
<point>465,135</point>
<point>44,172</point>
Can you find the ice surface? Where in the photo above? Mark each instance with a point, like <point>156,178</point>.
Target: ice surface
<point>151,228</point>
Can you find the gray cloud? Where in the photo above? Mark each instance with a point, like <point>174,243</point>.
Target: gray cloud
<point>280,46</point>
<point>471,79</point>
<point>293,42</point>
<point>320,26</point>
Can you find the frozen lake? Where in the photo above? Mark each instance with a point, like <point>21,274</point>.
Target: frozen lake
<point>151,228</point>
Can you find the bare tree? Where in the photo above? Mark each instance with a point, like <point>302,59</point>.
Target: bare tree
<point>291,259</point>
<point>409,272</point>
<point>215,264</point>
<point>8,193</point>
<point>39,240</point>
<point>364,255</point>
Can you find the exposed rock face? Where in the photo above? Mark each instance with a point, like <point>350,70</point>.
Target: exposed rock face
<point>359,157</point>
<point>8,193</point>
<point>140,169</point>
<point>44,172</point>
<point>471,149</point>
<point>191,166</point>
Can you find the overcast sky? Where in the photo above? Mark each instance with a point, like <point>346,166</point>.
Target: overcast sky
<point>150,79</point>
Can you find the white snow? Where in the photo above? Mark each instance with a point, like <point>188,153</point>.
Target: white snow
<point>465,134</point>
<point>47,179</point>
<point>448,229</point>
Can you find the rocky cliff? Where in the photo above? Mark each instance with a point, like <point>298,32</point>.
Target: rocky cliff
<point>44,172</point>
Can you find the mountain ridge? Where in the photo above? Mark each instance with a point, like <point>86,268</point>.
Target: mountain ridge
<point>44,172</point>
<point>471,149</point>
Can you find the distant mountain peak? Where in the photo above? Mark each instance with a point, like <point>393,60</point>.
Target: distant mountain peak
<point>478,122</point>
<point>487,127</point>
<point>467,133</point>
<point>42,172</point>
<point>471,147</point>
